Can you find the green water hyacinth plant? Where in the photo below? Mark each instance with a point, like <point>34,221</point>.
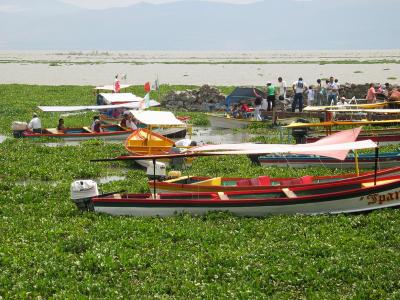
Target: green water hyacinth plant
<point>49,249</point>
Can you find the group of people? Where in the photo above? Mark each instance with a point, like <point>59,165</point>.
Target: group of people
<point>322,93</point>
<point>128,121</point>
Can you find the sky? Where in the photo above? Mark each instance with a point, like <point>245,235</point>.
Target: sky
<point>103,4</point>
<point>196,25</point>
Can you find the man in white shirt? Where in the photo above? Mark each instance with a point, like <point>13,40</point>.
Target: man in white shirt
<point>333,91</point>
<point>35,125</point>
<point>281,88</point>
<point>298,88</point>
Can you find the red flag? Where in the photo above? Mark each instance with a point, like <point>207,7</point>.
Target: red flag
<point>147,87</point>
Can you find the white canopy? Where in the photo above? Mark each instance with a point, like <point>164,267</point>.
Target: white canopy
<point>111,87</point>
<point>131,105</point>
<point>110,98</point>
<point>157,118</point>
<point>336,146</point>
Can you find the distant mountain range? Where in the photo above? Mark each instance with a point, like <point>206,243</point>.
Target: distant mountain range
<point>192,25</point>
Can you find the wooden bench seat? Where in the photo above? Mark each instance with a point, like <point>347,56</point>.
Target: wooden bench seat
<point>289,193</point>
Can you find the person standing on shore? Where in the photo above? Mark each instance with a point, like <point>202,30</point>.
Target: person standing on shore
<point>371,95</point>
<point>281,89</point>
<point>117,85</point>
<point>310,95</point>
<point>270,95</point>
<point>298,89</point>
<point>332,89</point>
<point>257,108</point>
<point>318,93</point>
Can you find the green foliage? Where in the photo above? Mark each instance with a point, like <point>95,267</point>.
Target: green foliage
<point>49,249</point>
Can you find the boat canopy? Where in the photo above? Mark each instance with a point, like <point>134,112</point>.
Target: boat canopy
<point>336,146</point>
<point>243,93</point>
<point>371,107</point>
<point>157,118</point>
<point>111,87</point>
<point>115,98</point>
<point>128,106</point>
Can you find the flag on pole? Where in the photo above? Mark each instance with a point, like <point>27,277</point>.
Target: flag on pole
<point>155,86</point>
<point>147,100</point>
<point>147,87</point>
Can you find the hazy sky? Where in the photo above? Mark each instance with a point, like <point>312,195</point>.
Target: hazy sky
<point>95,4</point>
<point>199,24</point>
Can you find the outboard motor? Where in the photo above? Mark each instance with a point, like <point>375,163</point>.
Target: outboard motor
<point>160,169</point>
<point>82,191</point>
<point>300,133</point>
<point>18,128</point>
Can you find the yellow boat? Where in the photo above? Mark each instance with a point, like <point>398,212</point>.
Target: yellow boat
<point>146,142</point>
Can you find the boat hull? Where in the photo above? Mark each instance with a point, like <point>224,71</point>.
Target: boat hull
<point>366,198</point>
<point>230,123</point>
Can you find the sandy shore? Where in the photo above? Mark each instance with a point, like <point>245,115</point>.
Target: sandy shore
<point>96,68</point>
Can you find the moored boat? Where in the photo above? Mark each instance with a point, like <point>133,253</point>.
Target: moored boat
<point>330,198</point>
<point>222,121</point>
<point>109,132</point>
<point>146,142</point>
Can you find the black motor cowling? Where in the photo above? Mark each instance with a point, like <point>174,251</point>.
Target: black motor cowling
<point>300,133</point>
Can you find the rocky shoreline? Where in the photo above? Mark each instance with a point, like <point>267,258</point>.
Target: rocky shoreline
<point>208,98</point>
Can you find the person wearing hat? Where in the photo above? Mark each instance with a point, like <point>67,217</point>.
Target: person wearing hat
<point>342,102</point>
<point>35,125</point>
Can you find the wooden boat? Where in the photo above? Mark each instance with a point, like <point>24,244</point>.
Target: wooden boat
<point>221,184</point>
<point>222,121</point>
<point>110,132</point>
<point>146,142</point>
<point>382,137</point>
<point>386,160</point>
<point>355,196</point>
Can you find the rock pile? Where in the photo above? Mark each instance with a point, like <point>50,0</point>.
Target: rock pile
<point>205,99</point>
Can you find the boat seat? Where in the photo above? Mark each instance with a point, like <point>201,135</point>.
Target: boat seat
<point>86,129</point>
<point>298,181</point>
<point>53,130</point>
<point>222,196</point>
<point>289,193</point>
<point>378,182</point>
<point>243,182</point>
<point>117,196</point>
<point>264,180</point>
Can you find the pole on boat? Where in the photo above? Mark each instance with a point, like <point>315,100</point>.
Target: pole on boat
<point>154,178</point>
<point>356,161</point>
<point>376,163</point>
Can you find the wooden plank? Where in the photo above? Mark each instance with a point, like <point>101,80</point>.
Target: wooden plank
<point>289,193</point>
<point>222,196</point>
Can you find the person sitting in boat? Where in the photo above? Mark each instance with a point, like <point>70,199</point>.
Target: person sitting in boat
<point>342,102</point>
<point>35,125</point>
<point>131,122</point>
<point>124,120</point>
<point>97,126</point>
<point>96,119</point>
<point>60,126</point>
